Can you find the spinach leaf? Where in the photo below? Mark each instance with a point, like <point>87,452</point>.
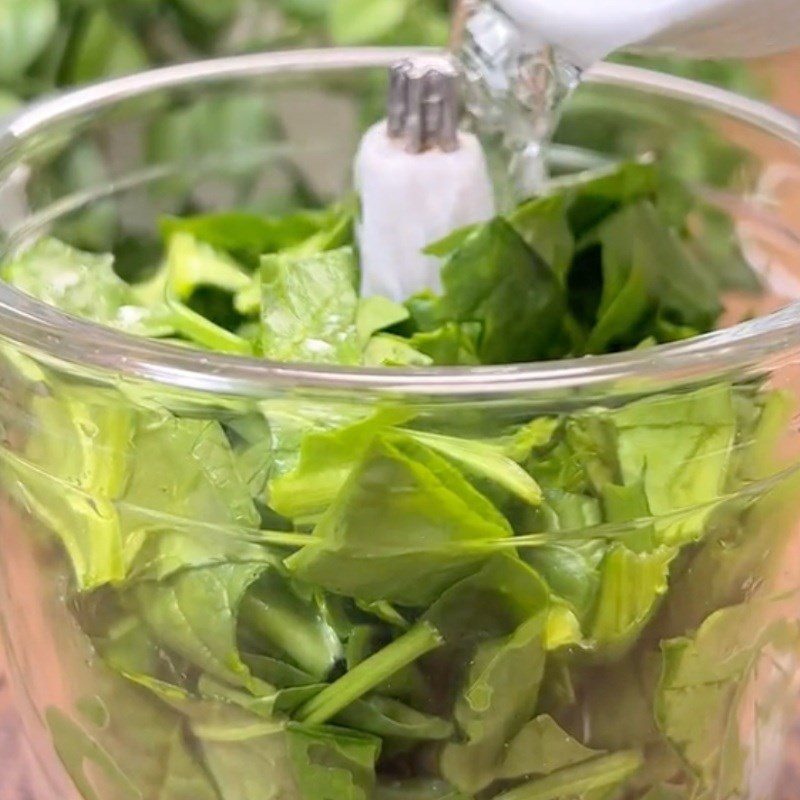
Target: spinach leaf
<point>702,704</point>
<point>593,197</point>
<point>156,553</point>
<point>602,774</point>
<point>494,615</point>
<point>192,265</point>
<point>495,279</point>
<point>182,474</point>
<point>492,602</point>
<point>544,226</point>
<point>679,447</point>
<point>376,314</point>
<point>246,236</point>
<point>85,285</point>
<point>271,704</point>
<point>73,471</point>
<point>387,350</point>
<point>542,747</point>
<point>309,308</point>
<point>736,543</point>
<point>389,718</point>
<point>273,670</point>
<point>631,587</point>
<point>405,526</point>
<point>572,571</point>
<point>484,460</point>
<point>175,774</point>
<point>325,460</point>
<point>648,275</point>
<point>298,761</point>
<point>195,614</point>
<point>116,515</point>
<point>331,764</point>
<point>292,625</point>
<point>290,420</point>
<point>370,674</point>
<point>500,694</point>
<point>453,344</point>
<point>423,308</point>
<point>127,646</point>
<point>119,741</point>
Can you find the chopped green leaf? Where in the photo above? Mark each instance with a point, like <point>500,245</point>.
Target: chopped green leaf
<point>702,700</point>
<point>494,278</point>
<point>405,526</point>
<point>309,308</point>
<point>499,696</point>
<point>85,285</point>
<point>542,747</point>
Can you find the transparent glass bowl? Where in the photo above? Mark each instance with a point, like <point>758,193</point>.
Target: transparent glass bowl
<point>139,573</point>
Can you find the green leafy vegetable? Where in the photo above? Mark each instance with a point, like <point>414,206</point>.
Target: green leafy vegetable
<point>453,344</point>
<point>195,614</point>
<point>72,471</point>
<point>104,49</point>
<point>405,525</point>
<point>603,774</point>
<point>647,272</point>
<point>325,460</point>
<point>386,350</point>
<point>679,448</point>
<point>313,596</point>
<point>85,285</point>
<point>487,712</point>
<point>25,28</point>
<point>702,696</point>
<point>244,235</point>
<point>542,748</point>
<point>294,626</point>
<point>495,279</point>
<point>309,308</point>
<point>485,461</point>
<point>376,314</point>
<point>296,761</point>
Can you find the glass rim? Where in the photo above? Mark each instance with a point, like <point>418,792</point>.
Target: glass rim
<point>62,338</point>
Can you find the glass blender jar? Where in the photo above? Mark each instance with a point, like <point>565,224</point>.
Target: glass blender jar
<point>697,693</point>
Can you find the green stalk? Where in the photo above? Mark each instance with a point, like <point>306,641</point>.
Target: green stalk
<point>363,678</point>
<point>285,538</point>
<point>293,627</point>
<point>599,773</point>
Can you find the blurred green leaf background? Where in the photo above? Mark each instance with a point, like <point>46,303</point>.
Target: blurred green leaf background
<point>50,45</point>
<point>46,44</point>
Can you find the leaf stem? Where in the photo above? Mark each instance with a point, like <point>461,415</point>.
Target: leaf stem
<point>421,639</point>
<point>598,773</point>
<point>286,538</point>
